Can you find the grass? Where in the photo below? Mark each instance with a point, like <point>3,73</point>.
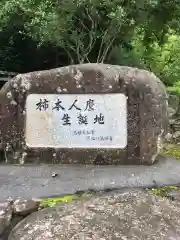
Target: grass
<point>51,202</point>
<point>163,191</point>
<point>172,150</point>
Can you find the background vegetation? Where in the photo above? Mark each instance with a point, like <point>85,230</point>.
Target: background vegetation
<point>43,34</point>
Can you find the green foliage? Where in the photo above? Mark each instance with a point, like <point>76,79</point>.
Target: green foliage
<point>171,150</point>
<point>175,89</point>
<point>164,59</point>
<point>83,28</point>
<point>137,33</point>
<point>89,30</point>
<point>51,202</point>
<point>163,191</point>
<point>76,25</point>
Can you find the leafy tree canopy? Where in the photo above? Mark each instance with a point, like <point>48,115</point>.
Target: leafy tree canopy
<point>89,30</point>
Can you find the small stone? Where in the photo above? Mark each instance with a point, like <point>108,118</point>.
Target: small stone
<point>174,195</point>
<point>171,111</point>
<point>5,215</point>
<point>54,174</point>
<point>25,207</point>
<point>176,134</point>
<point>13,102</point>
<point>9,95</point>
<point>172,121</point>
<point>58,89</point>
<point>168,137</point>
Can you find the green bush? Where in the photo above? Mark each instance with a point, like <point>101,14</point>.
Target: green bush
<point>163,191</point>
<point>171,150</point>
<point>175,89</point>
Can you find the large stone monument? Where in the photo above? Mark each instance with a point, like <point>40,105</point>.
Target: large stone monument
<point>89,114</point>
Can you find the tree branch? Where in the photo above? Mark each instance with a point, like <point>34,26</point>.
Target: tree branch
<point>109,45</point>
<point>101,46</point>
<point>92,39</point>
<point>69,55</point>
<point>107,49</point>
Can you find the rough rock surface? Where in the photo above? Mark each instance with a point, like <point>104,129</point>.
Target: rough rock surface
<point>24,207</point>
<point>5,215</point>
<point>174,120</point>
<point>131,214</point>
<point>146,103</point>
<point>174,195</point>
<point>175,129</point>
<point>12,212</point>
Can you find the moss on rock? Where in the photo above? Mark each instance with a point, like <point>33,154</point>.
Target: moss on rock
<point>172,150</point>
<point>53,201</point>
<point>163,191</point>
